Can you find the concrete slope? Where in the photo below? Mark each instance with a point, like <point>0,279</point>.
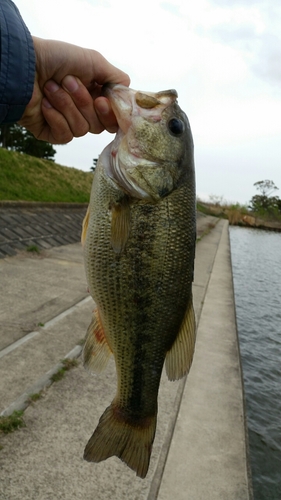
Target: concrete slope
<point>44,225</point>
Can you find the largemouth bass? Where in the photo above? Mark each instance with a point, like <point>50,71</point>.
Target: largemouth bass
<point>139,243</point>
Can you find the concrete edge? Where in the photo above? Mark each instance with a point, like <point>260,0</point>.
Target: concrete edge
<point>10,348</point>
<point>23,401</point>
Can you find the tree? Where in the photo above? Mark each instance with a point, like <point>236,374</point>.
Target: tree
<point>263,203</point>
<point>16,138</point>
<point>93,167</point>
<point>11,136</point>
<point>34,147</point>
<point>266,187</point>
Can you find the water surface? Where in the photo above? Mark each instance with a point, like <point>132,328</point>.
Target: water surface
<point>256,263</point>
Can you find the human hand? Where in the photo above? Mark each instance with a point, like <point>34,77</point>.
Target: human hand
<point>66,100</point>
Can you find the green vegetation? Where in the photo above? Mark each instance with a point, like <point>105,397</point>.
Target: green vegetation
<point>34,397</point>
<point>15,421</point>
<point>26,178</point>
<point>16,138</point>
<point>11,422</point>
<point>233,212</point>
<point>264,210</point>
<point>33,248</point>
<point>67,365</point>
<point>263,204</point>
<point>58,376</point>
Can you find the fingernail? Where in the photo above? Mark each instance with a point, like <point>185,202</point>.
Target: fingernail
<point>52,86</point>
<point>70,83</point>
<point>46,103</point>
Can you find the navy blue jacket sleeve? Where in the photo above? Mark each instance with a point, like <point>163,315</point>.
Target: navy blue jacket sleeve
<point>17,63</point>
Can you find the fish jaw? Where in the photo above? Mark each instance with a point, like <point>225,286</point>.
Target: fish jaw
<point>146,159</point>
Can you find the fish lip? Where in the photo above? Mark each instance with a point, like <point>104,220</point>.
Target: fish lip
<point>114,92</point>
<point>121,99</point>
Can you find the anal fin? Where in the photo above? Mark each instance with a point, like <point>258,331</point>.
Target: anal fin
<point>96,351</point>
<point>179,357</point>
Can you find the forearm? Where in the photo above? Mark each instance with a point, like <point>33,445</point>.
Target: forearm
<point>17,64</point>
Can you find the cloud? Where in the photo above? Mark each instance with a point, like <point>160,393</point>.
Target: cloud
<point>267,64</point>
<point>228,3</point>
<point>252,28</point>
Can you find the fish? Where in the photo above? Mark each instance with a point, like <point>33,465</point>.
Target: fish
<point>139,238</point>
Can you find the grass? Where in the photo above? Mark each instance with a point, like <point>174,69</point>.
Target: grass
<point>15,421</point>
<point>12,422</point>
<point>81,341</point>
<point>34,397</point>
<point>33,248</point>
<point>233,212</point>
<point>68,364</point>
<point>209,228</point>
<point>26,178</point>
<point>239,215</point>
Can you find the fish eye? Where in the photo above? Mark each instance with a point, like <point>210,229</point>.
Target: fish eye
<point>176,126</point>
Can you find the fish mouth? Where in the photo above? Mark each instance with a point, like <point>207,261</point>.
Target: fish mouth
<point>127,102</point>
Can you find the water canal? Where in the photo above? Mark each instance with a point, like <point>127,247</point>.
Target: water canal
<point>256,263</point>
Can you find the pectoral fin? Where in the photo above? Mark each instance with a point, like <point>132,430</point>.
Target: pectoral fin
<point>96,351</point>
<point>85,224</point>
<point>179,357</point>
<point>120,224</point>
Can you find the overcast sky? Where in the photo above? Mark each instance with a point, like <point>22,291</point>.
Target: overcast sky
<point>222,56</point>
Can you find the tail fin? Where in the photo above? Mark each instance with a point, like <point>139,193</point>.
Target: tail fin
<point>115,436</point>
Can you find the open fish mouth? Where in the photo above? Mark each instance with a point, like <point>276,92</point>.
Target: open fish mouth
<point>126,102</point>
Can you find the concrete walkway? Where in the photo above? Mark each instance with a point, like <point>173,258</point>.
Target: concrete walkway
<point>199,449</point>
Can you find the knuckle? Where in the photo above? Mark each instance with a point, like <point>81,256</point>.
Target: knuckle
<point>83,129</point>
<point>62,137</point>
<point>60,99</point>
